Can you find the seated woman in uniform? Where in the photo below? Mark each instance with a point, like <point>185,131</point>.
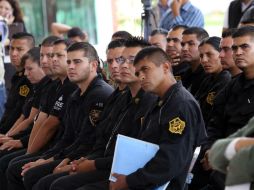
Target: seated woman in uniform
<point>217,78</point>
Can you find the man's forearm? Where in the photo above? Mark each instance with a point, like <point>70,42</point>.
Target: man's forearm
<point>44,134</point>
<point>39,122</point>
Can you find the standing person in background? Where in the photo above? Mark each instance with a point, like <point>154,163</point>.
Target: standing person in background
<point>235,12</point>
<point>158,11</point>
<point>182,12</point>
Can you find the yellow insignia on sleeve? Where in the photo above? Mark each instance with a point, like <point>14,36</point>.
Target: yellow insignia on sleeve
<point>178,78</point>
<point>94,116</point>
<point>24,90</point>
<point>176,126</point>
<point>210,98</point>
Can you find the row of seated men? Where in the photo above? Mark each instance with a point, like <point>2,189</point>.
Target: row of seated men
<point>61,121</point>
<point>224,100</point>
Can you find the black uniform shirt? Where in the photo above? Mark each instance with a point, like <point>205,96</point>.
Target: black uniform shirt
<point>175,123</point>
<point>62,96</point>
<point>80,118</point>
<point>128,124</point>
<point>49,96</point>
<point>38,93</point>
<point>192,80</point>
<point>233,107</point>
<point>180,69</point>
<point>104,127</point>
<point>32,101</point>
<point>209,88</point>
<point>20,89</point>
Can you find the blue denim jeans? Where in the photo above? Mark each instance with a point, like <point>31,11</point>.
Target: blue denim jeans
<point>2,99</point>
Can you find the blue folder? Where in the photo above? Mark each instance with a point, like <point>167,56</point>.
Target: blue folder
<point>131,154</point>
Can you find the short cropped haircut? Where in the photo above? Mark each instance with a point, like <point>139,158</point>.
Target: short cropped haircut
<point>116,43</point>
<point>33,54</point>
<point>24,36</point>
<point>213,41</point>
<point>154,54</point>
<point>137,41</point>
<point>177,27</point>
<point>244,31</point>
<point>159,31</point>
<point>48,41</point>
<point>76,31</point>
<point>199,32</point>
<point>122,35</point>
<point>88,50</point>
<point>229,32</point>
<point>66,42</point>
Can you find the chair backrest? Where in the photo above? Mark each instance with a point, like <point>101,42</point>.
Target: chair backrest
<point>190,175</point>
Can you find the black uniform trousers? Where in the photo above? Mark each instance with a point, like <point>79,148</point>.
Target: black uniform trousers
<point>13,173</point>
<point>75,181</point>
<point>5,158</point>
<point>96,186</point>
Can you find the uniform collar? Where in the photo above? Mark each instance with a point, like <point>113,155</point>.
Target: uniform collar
<point>137,98</point>
<point>93,83</point>
<point>41,83</point>
<point>246,83</point>
<point>169,93</point>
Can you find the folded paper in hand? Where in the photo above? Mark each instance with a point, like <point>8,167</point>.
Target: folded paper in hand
<point>131,154</point>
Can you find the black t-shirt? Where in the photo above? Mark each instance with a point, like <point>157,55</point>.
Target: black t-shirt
<point>81,116</point>
<point>59,106</point>
<point>49,98</point>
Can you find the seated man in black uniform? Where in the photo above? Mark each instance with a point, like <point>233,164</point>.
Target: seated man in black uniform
<point>175,123</point>
<point>83,109</point>
<point>190,54</point>
<point>56,105</point>
<point>20,86</point>
<point>234,106</point>
<point>226,53</point>
<point>16,146</point>
<point>132,108</point>
<point>46,48</point>
<point>113,52</point>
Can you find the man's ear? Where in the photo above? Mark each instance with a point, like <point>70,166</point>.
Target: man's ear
<point>94,64</point>
<point>166,67</point>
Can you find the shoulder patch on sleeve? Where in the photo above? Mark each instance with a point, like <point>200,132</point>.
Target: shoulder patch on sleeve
<point>94,116</point>
<point>24,90</point>
<point>210,98</point>
<point>176,126</point>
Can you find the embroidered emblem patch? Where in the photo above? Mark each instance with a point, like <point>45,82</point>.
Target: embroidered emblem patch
<point>24,90</point>
<point>94,116</point>
<point>210,98</point>
<point>176,126</point>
